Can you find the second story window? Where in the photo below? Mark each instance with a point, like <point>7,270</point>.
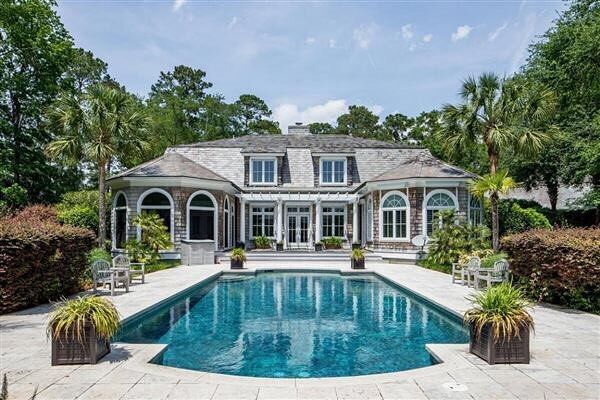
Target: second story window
<point>333,172</point>
<point>263,171</point>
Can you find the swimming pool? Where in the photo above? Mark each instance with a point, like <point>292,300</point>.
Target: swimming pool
<point>295,325</point>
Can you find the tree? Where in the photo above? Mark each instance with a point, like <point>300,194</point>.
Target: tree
<point>96,127</point>
<point>502,114</point>
<point>265,127</point>
<point>359,122</point>
<point>321,128</point>
<point>397,126</point>
<point>218,119</point>
<point>493,185</point>
<point>251,115</point>
<point>35,53</point>
<point>84,70</point>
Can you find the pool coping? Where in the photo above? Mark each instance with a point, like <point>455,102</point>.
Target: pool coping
<point>446,354</point>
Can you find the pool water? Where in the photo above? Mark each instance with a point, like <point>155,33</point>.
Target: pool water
<point>296,325</point>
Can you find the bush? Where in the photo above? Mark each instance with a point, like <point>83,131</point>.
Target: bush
<point>12,197</point>
<point>155,237</point>
<point>262,242</point>
<point>488,261</point>
<point>520,219</point>
<point>80,208</point>
<point>561,266</point>
<point>40,259</point>
<point>98,254</point>
<point>332,242</point>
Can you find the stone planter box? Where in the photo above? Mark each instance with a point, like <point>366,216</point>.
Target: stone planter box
<point>356,246</point>
<point>67,350</point>
<point>279,246</point>
<point>357,264</point>
<point>235,264</point>
<point>318,246</point>
<point>515,351</point>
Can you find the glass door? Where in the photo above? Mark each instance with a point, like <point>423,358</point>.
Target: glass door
<point>298,227</point>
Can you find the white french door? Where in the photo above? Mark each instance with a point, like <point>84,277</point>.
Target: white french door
<point>298,229</point>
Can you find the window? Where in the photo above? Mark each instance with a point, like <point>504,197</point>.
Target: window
<point>120,222</point>
<point>263,221</point>
<point>436,201</point>
<point>228,222</point>
<point>369,219</point>
<point>333,172</point>
<point>263,171</point>
<point>334,221</point>
<point>157,202</point>
<point>394,213</point>
<point>475,211</point>
<point>201,217</point>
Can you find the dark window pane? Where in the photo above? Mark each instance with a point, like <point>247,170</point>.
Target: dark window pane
<point>201,200</point>
<point>156,199</point>
<point>201,225</point>
<point>120,228</point>
<point>121,202</point>
<point>165,215</point>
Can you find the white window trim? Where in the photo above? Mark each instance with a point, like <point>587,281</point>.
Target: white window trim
<point>251,175</point>
<point>425,208</point>
<point>324,159</point>
<point>251,221</point>
<point>113,220</point>
<point>334,205</point>
<point>215,210</point>
<point>382,209</point>
<point>170,207</point>
<point>229,219</point>
<point>480,209</point>
<point>369,206</point>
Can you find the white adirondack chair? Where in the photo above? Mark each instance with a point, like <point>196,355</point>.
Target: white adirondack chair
<point>136,270</point>
<point>102,273</point>
<point>465,271</point>
<point>497,274</point>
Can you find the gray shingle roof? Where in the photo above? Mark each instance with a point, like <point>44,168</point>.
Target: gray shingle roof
<point>422,165</point>
<point>171,165</point>
<point>279,143</point>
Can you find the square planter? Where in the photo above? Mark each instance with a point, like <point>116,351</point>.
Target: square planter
<point>279,246</point>
<point>67,350</point>
<point>235,264</point>
<point>515,351</point>
<point>318,246</point>
<point>357,264</point>
<point>356,246</point>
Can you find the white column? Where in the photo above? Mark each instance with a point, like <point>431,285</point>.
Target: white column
<point>319,218</point>
<point>243,220</point>
<point>355,226</point>
<point>279,220</point>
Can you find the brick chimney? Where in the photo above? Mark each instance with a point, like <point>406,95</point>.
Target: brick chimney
<point>298,129</point>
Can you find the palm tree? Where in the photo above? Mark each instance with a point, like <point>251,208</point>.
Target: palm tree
<point>500,114</point>
<point>493,185</point>
<point>98,126</point>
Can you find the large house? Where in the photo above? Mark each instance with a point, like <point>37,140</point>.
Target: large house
<point>295,188</point>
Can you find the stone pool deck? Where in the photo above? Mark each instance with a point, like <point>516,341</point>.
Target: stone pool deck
<point>565,355</point>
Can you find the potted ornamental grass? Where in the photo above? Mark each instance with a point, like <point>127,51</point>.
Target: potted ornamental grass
<point>263,243</point>
<point>237,258</point>
<point>332,242</point>
<point>499,324</point>
<point>357,259</point>
<point>81,329</point>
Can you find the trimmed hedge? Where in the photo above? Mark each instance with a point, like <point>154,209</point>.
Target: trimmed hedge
<point>559,266</point>
<point>40,259</point>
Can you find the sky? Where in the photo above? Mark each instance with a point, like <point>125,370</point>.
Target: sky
<point>310,60</point>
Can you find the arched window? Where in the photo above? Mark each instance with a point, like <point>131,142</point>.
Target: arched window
<point>159,202</point>
<point>394,216</point>
<point>475,211</point>
<point>119,221</point>
<point>369,219</point>
<point>228,222</point>
<point>202,216</point>
<point>435,202</point>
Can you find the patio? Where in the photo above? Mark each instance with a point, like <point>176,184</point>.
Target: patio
<point>565,355</point>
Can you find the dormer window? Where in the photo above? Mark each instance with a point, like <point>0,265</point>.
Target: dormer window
<point>263,171</point>
<point>333,171</point>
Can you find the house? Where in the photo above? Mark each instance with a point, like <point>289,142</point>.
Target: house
<point>295,188</point>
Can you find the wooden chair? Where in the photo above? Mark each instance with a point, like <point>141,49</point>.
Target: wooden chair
<point>104,274</point>
<point>497,274</point>
<point>465,271</point>
<point>136,270</point>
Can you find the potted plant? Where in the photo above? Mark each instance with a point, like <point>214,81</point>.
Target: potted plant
<point>262,242</point>
<point>356,245</point>
<point>318,246</point>
<point>357,260</point>
<point>81,329</point>
<point>499,325</point>
<point>238,257</point>
<point>332,242</point>
<point>280,246</point>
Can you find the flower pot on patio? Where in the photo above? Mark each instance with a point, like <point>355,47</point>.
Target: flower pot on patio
<point>81,328</point>
<point>357,259</point>
<point>513,351</point>
<point>236,264</point>
<point>356,246</point>
<point>319,246</point>
<point>237,258</point>
<point>279,246</point>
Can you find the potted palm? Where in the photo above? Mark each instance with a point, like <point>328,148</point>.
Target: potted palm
<point>238,257</point>
<point>499,325</point>
<point>81,329</point>
<point>357,260</point>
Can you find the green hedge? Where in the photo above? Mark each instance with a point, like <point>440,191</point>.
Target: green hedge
<point>559,266</point>
<point>40,259</point>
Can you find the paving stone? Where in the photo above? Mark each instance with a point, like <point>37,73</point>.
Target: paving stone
<point>316,393</point>
<point>122,375</point>
<point>153,378</point>
<point>60,392</point>
<point>358,392</point>
<point>149,391</point>
<point>398,391</point>
<point>105,391</point>
<point>277,393</point>
<point>235,392</point>
<point>192,391</point>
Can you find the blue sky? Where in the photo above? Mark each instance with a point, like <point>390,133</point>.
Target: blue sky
<point>309,60</point>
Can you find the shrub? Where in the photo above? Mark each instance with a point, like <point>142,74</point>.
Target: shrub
<point>523,219</point>
<point>262,242</point>
<point>140,252</point>
<point>332,242</point>
<point>80,208</point>
<point>560,266</point>
<point>98,254</point>
<point>12,197</point>
<point>482,254</point>
<point>40,259</point>
<point>489,260</point>
<point>358,254</point>
<point>238,254</point>
<point>155,237</point>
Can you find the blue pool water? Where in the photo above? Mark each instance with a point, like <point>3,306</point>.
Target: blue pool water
<point>296,325</point>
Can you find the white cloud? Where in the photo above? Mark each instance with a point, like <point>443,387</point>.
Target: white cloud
<point>310,41</point>
<point>407,32</point>
<point>427,38</point>
<point>287,114</point>
<point>233,22</point>
<point>412,47</point>
<point>462,32</point>
<point>178,3</point>
<point>376,109</point>
<point>493,35</point>
<point>332,43</point>
<point>363,35</point>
